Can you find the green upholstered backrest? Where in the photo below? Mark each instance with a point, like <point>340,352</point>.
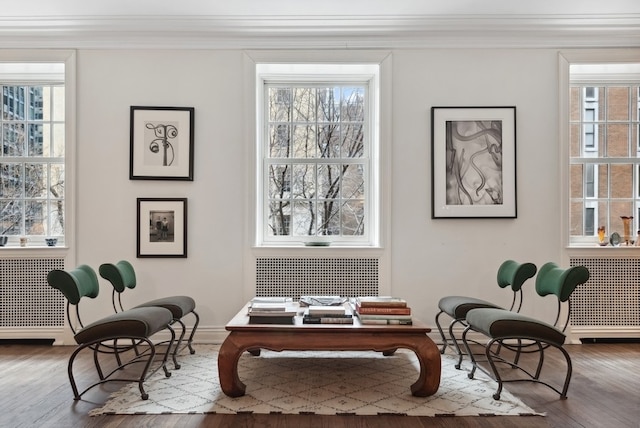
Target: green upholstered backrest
<point>121,275</point>
<point>75,284</point>
<point>552,279</point>
<point>515,274</point>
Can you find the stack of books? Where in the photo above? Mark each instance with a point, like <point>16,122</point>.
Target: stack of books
<point>325,314</point>
<point>272,310</point>
<point>382,310</point>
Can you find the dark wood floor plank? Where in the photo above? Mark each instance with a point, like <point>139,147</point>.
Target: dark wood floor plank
<point>603,392</point>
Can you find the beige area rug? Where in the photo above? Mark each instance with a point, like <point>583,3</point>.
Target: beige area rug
<point>312,382</point>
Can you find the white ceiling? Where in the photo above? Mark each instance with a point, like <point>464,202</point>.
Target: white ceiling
<point>319,23</point>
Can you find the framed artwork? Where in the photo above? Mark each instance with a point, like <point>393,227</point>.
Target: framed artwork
<point>162,227</point>
<point>161,143</point>
<point>473,162</point>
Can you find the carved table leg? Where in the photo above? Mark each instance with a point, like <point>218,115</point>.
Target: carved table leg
<point>228,356</point>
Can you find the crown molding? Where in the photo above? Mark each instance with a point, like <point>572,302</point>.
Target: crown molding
<point>307,32</point>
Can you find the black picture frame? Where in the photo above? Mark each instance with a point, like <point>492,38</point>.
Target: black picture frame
<point>473,162</point>
<point>161,143</point>
<point>162,227</point>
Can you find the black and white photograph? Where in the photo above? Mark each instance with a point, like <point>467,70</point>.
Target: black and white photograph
<point>162,227</point>
<point>161,143</point>
<point>473,162</point>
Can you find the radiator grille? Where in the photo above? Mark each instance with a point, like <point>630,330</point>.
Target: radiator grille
<point>611,297</point>
<point>26,299</point>
<point>295,277</point>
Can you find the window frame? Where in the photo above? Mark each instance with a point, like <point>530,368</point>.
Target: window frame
<point>568,58</point>
<point>322,73</point>
<point>33,76</point>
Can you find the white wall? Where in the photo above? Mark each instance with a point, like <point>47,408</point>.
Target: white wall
<point>429,258</point>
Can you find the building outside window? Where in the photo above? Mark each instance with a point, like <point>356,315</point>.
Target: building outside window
<point>604,152</point>
<point>318,154</point>
<point>32,160</point>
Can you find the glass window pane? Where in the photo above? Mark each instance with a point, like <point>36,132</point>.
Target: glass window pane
<point>13,139</point>
<point>11,216</point>
<point>353,141</point>
<point>329,218</point>
<point>56,218</point>
<point>574,104</point>
<point>56,186</point>
<point>576,212</point>
<point>279,218</point>
<point>35,140</point>
<point>304,181</point>
<point>575,141</point>
<point>35,214</point>
<point>279,141</point>
<point>329,181</point>
<point>618,103</point>
<point>279,104</point>
<point>303,220</point>
<point>618,140</point>
<point>622,181</point>
<point>353,182</point>
<point>353,218</point>
<point>304,105</point>
<point>58,141</point>
<point>11,180</point>
<point>279,181</point>
<point>328,104</point>
<point>329,141</point>
<point>35,180</point>
<point>576,187</point>
<point>304,141</point>
<point>353,108</point>
<point>603,181</point>
<point>58,104</point>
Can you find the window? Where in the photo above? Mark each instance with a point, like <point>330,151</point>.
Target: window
<point>32,159</point>
<point>604,152</point>
<point>317,145</point>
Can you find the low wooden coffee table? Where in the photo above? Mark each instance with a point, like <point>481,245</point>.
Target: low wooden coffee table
<point>326,337</point>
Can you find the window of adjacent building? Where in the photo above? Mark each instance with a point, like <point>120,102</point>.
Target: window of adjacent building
<point>317,154</point>
<point>32,159</point>
<point>604,153</point>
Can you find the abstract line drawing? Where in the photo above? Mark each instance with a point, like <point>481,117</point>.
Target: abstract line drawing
<point>163,133</point>
<point>474,162</point>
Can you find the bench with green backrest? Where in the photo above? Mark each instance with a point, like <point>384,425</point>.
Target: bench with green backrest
<point>510,274</point>
<point>521,333</point>
<point>112,334</point>
<point>122,275</point>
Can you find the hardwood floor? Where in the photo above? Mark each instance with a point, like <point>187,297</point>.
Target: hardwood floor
<point>35,392</point>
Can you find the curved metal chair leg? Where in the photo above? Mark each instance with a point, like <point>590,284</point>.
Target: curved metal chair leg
<point>193,332</point>
<point>176,349</point>
<point>471,357</point>
<point>445,343</point>
<point>455,343</point>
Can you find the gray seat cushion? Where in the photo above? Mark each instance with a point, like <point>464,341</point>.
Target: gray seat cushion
<point>137,322</point>
<point>502,324</point>
<point>178,305</point>
<point>458,306</point>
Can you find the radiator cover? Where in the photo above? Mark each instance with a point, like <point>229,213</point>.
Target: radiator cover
<point>611,297</point>
<point>295,277</point>
<point>26,299</point>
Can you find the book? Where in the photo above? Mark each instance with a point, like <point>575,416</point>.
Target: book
<point>389,321</point>
<point>256,319</point>
<point>384,317</point>
<point>322,300</point>
<point>347,319</point>
<point>325,310</point>
<point>383,310</point>
<point>377,301</point>
<point>271,299</point>
<point>273,309</point>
